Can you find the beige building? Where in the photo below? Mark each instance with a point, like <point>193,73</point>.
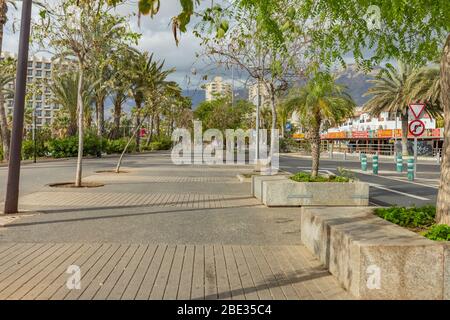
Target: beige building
<point>217,88</point>
<point>39,76</point>
<point>253,94</point>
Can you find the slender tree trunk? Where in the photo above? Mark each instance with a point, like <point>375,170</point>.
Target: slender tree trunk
<point>273,136</point>
<point>158,127</point>
<point>443,200</point>
<point>80,129</point>
<point>117,116</point>
<point>405,129</point>
<point>100,107</point>
<point>150,134</point>
<point>315,150</point>
<point>138,123</point>
<point>4,128</point>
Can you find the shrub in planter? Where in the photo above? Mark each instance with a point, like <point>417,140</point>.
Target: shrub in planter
<point>438,232</point>
<point>408,217</point>
<point>306,177</point>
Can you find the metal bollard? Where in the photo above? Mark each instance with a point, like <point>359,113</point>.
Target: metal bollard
<point>411,169</point>
<point>375,164</point>
<point>399,163</point>
<point>363,162</point>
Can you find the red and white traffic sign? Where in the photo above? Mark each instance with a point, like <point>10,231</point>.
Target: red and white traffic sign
<point>416,128</point>
<point>417,109</point>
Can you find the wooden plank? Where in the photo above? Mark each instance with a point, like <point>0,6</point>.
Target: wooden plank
<point>173,283</point>
<point>138,277</point>
<point>41,277</point>
<point>23,265</point>
<point>210,274</point>
<point>294,268</point>
<point>258,278</point>
<point>128,272</point>
<point>184,290</point>
<point>152,272</point>
<point>244,274</point>
<point>270,279</point>
<point>163,274</point>
<point>14,257</point>
<point>85,265</point>
<point>237,291</point>
<point>57,277</point>
<point>223,285</point>
<point>101,280</point>
<point>198,278</point>
<point>277,270</point>
<point>93,272</point>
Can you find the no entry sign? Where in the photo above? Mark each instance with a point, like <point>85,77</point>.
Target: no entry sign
<point>416,128</point>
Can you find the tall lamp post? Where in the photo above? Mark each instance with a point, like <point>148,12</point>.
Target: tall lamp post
<point>12,187</point>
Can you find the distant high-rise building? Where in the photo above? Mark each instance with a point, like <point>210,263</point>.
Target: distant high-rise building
<point>39,74</point>
<point>217,88</point>
<point>253,94</point>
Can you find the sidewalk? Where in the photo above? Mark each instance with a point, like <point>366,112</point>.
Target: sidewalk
<point>159,232</point>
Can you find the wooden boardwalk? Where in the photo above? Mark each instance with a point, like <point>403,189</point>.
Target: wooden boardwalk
<point>142,271</point>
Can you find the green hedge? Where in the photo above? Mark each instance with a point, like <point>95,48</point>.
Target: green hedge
<point>161,143</point>
<point>117,146</point>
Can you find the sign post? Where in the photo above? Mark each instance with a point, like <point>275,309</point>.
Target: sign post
<point>416,127</point>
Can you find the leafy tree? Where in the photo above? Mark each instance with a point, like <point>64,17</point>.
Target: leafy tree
<point>320,103</point>
<point>397,88</point>
<point>7,69</point>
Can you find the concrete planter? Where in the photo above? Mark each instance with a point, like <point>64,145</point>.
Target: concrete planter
<point>281,191</point>
<point>376,259</point>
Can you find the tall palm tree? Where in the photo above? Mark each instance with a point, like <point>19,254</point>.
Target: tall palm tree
<point>320,103</point>
<point>395,89</point>
<point>147,75</point>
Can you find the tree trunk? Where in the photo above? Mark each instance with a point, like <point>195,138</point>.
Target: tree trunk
<point>3,120</point>
<point>315,150</point>
<point>100,106</point>
<point>4,128</point>
<point>80,129</point>
<point>158,127</point>
<point>274,121</point>
<point>443,200</point>
<point>150,134</point>
<point>405,130</point>
<point>138,123</point>
<point>117,116</point>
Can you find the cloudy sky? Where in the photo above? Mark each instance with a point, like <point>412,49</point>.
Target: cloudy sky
<point>156,37</point>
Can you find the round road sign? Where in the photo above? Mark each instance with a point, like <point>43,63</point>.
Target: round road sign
<point>416,128</point>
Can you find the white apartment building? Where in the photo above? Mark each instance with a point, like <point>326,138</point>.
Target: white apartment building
<point>217,88</point>
<point>386,121</point>
<point>39,75</point>
<point>253,94</point>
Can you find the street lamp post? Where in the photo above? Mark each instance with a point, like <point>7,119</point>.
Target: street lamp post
<point>12,187</point>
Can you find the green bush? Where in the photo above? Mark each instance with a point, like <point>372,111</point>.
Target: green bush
<point>159,144</point>
<point>117,146</point>
<point>438,232</point>
<point>28,149</point>
<point>68,147</point>
<point>408,217</point>
<point>288,145</point>
<point>306,177</point>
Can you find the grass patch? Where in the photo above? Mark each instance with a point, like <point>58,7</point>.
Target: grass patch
<point>306,177</point>
<point>420,220</point>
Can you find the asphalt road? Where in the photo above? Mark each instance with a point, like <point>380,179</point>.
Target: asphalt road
<point>388,187</point>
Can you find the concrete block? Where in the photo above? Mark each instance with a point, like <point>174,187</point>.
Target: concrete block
<point>257,183</point>
<point>373,258</point>
<point>285,192</point>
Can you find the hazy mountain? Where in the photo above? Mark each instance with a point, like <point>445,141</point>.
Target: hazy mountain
<point>356,82</point>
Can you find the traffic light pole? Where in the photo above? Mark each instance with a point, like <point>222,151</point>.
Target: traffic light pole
<point>12,187</point>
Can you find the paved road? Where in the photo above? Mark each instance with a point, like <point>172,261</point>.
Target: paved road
<point>388,187</point>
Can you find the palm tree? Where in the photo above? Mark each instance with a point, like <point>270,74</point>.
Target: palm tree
<point>284,113</point>
<point>65,93</point>
<point>397,88</point>
<point>147,76</point>
<point>320,103</point>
